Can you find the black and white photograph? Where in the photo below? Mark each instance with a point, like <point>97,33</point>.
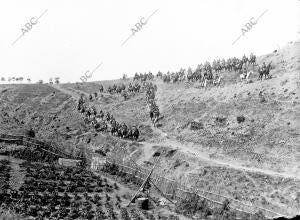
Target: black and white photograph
<point>150,110</point>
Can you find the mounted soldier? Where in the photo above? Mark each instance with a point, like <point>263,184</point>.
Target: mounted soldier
<point>107,117</point>
<point>101,89</point>
<point>262,70</point>
<point>112,119</point>
<point>135,133</point>
<point>154,112</point>
<point>101,114</point>
<point>244,59</point>
<point>88,113</point>
<point>124,130</point>
<point>252,59</point>
<point>94,110</point>
<point>264,67</point>
<point>130,88</point>
<point>124,94</point>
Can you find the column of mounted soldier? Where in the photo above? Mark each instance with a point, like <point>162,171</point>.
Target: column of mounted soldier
<point>150,98</point>
<point>106,122</point>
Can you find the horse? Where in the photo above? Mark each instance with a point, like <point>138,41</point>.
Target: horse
<point>113,129</point>
<point>154,115</point>
<point>267,72</point>
<point>242,76</point>
<point>123,130</point>
<point>217,81</point>
<point>246,76</point>
<point>264,71</point>
<point>100,126</point>
<point>207,81</point>
<point>135,133</point>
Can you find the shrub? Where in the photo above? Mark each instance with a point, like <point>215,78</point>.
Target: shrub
<point>116,186</point>
<point>30,133</point>
<point>156,154</point>
<point>262,99</point>
<point>196,125</point>
<point>259,216</point>
<point>224,212</point>
<point>298,197</point>
<point>192,205</point>
<point>240,119</point>
<point>221,120</point>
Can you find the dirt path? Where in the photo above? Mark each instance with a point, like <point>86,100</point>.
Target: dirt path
<point>189,148</point>
<point>72,92</point>
<point>192,149</point>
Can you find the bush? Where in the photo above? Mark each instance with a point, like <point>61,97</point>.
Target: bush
<point>116,186</point>
<point>262,99</point>
<point>240,119</point>
<point>196,125</point>
<point>220,120</point>
<point>30,133</point>
<point>224,212</point>
<point>298,197</point>
<point>192,205</point>
<point>259,216</point>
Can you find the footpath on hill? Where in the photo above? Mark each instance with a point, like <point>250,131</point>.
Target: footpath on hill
<point>189,149</point>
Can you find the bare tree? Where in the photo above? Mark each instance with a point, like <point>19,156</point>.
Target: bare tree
<point>2,79</point>
<point>28,80</point>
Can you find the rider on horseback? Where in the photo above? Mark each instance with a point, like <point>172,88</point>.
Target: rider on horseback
<point>264,67</point>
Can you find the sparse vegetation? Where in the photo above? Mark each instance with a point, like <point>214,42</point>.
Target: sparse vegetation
<point>238,140</point>
<point>30,133</point>
<point>240,119</point>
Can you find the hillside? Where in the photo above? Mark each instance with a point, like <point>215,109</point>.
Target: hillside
<point>255,161</point>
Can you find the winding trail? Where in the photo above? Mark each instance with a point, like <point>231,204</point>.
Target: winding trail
<point>75,94</point>
<point>190,149</point>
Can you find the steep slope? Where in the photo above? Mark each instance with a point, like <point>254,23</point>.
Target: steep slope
<point>255,161</point>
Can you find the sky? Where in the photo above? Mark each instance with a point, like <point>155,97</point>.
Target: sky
<point>72,37</point>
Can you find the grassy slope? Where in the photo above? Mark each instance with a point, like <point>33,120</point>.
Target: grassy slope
<point>268,139</point>
<point>42,107</point>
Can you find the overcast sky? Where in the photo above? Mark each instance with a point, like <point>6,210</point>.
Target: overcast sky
<point>74,36</point>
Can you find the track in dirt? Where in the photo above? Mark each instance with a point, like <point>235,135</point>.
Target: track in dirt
<point>190,150</point>
<point>73,94</point>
